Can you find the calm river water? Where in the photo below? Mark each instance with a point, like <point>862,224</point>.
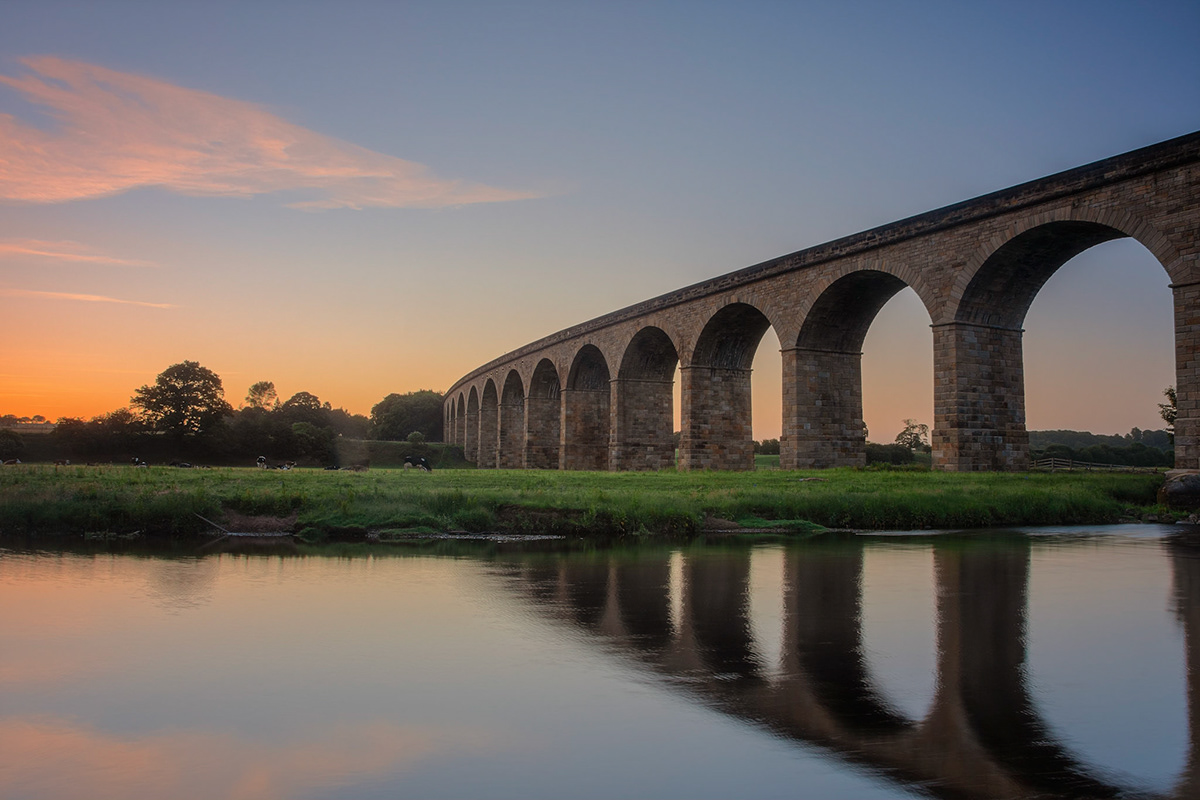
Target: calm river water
<point>1060,663</point>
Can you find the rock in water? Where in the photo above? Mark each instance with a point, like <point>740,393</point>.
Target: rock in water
<point>1181,491</point>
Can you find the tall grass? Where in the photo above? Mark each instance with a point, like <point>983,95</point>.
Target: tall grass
<point>162,500</point>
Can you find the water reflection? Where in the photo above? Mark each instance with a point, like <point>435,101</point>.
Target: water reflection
<point>686,615</point>
<point>970,666</point>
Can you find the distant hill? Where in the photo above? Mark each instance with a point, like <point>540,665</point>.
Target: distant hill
<point>1077,440</point>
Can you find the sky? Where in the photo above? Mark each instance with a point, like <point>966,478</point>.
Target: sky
<point>360,198</point>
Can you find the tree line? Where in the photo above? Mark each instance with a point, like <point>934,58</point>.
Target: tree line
<point>184,415</point>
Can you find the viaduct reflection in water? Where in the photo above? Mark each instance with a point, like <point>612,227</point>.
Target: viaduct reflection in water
<point>982,735</point>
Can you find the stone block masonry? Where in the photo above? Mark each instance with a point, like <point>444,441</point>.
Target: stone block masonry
<point>604,386</point>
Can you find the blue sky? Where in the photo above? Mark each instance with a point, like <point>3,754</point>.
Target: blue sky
<point>573,158</point>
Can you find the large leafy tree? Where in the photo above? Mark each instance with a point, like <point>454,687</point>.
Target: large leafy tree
<point>186,400</point>
<point>397,415</point>
<point>262,395</point>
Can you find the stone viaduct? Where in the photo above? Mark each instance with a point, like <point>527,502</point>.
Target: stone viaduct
<point>686,619</point>
<point>599,395</point>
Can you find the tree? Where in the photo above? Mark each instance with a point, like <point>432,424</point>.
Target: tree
<point>11,444</point>
<point>186,400</point>
<point>262,395</point>
<point>398,415</point>
<point>1168,411</point>
<point>915,436</point>
<point>305,407</point>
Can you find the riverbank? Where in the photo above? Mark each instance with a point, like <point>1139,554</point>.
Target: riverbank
<point>319,505</point>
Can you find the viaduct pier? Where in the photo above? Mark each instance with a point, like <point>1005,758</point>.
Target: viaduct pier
<point>599,395</point>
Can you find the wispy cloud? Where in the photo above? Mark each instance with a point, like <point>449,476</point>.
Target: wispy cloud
<point>86,298</point>
<point>63,251</point>
<point>117,131</point>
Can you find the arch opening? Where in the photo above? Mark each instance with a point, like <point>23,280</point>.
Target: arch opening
<point>471,429</point>
<point>1101,328</point>
<point>585,412</point>
<point>980,403</point>
<point>511,434</point>
<point>823,410</point>
<point>460,422</point>
<point>717,409</point>
<point>543,418</point>
<point>643,393</point>
<point>489,427</point>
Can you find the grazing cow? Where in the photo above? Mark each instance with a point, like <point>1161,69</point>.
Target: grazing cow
<point>12,462</point>
<point>420,462</point>
<point>63,462</point>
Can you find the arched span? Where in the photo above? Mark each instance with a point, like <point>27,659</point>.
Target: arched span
<point>979,395</point>
<point>543,415</point>
<point>512,423</point>
<point>471,430</point>
<point>823,406</point>
<point>489,426</point>
<point>460,420</point>
<point>643,420</point>
<point>730,338</point>
<point>716,404</point>
<point>1000,292</point>
<point>585,415</point>
<point>841,315</point>
<point>649,356</point>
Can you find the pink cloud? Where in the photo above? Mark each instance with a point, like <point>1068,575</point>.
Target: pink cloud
<point>86,298</point>
<point>117,131</point>
<point>62,251</point>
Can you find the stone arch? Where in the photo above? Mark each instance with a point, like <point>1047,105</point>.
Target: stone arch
<point>471,429</point>
<point>585,411</point>
<point>822,372</point>
<point>511,434</point>
<point>543,417</point>
<point>460,419</point>
<point>1047,238</point>
<point>979,401</point>
<point>643,419</point>
<point>716,407</point>
<point>489,426</point>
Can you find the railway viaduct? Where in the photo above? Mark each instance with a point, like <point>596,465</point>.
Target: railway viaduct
<point>599,395</point>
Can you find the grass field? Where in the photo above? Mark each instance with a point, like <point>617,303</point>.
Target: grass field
<point>320,504</point>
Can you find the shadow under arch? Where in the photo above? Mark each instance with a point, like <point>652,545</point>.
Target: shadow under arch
<point>822,373</point>
<point>471,429</point>
<point>715,399</point>
<point>543,417</point>
<point>979,403</point>
<point>511,433</point>
<point>585,412</point>
<point>642,436</point>
<point>489,426</point>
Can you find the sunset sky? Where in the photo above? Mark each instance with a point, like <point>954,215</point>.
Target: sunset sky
<point>360,198</point>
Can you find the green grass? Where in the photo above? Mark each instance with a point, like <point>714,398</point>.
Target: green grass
<point>344,505</point>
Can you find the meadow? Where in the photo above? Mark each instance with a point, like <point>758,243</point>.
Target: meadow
<point>323,505</point>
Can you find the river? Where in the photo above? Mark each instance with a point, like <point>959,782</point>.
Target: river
<point>1057,663</point>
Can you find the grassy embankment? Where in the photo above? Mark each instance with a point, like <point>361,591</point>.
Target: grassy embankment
<point>161,501</point>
